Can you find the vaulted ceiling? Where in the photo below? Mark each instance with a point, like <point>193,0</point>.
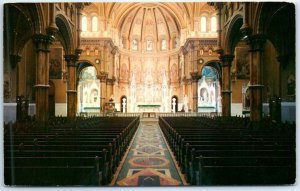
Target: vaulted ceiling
<point>180,15</point>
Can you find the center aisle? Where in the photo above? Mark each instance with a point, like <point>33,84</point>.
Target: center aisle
<point>148,162</point>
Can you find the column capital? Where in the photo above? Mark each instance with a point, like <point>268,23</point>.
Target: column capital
<point>195,76</point>
<point>184,51</point>
<point>192,45</point>
<point>246,30</point>
<point>102,76</point>
<point>42,42</point>
<point>52,29</point>
<point>115,50</point>
<point>257,42</point>
<point>226,60</point>
<point>71,59</point>
<point>111,81</point>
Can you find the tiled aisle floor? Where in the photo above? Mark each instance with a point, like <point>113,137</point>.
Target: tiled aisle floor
<point>148,162</point>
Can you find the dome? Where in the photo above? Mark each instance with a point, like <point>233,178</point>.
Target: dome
<point>149,27</point>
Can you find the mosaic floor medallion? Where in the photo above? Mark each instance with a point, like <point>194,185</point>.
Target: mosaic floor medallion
<point>148,150</point>
<point>148,162</point>
<point>161,170</point>
<point>149,177</point>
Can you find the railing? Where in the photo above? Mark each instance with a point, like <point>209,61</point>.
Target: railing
<point>187,114</point>
<point>157,114</point>
<point>129,114</point>
<point>90,114</point>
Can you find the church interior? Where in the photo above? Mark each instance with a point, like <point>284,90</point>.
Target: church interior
<point>149,93</point>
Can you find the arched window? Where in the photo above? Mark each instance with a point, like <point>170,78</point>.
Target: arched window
<point>213,24</point>
<point>94,24</point>
<point>84,23</point>
<point>163,44</point>
<point>203,24</point>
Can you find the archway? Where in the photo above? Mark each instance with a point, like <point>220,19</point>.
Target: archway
<point>123,105</point>
<point>209,90</point>
<point>174,103</point>
<point>238,75</point>
<point>88,90</point>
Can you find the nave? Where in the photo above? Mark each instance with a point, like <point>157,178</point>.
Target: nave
<point>138,151</point>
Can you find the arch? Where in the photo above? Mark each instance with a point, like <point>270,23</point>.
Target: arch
<point>216,64</point>
<point>203,23</point>
<point>176,103</point>
<point>94,24</point>
<point>209,89</point>
<point>88,88</point>
<point>121,104</point>
<point>84,24</point>
<point>269,21</point>
<point>65,33</point>
<point>25,20</point>
<point>81,64</point>
<point>233,35</point>
<point>213,25</point>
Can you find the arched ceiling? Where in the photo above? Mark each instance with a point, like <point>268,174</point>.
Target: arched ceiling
<point>156,20</point>
<point>182,13</point>
<point>149,21</point>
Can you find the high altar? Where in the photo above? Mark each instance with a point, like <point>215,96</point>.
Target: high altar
<point>149,94</point>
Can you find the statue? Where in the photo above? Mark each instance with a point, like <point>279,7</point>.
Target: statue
<point>124,104</point>
<point>173,105</point>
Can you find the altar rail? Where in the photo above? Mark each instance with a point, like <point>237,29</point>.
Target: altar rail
<point>186,114</point>
<point>117,114</point>
<point>129,114</point>
<point>157,114</point>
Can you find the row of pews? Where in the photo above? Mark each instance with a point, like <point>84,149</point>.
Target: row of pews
<point>84,152</point>
<point>232,150</point>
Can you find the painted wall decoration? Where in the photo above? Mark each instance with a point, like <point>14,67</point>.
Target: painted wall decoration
<point>174,73</point>
<point>134,44</point>
<point>241,61</point>
<point>149,45</point>
<point>56,58</point>
<point>124,72</point>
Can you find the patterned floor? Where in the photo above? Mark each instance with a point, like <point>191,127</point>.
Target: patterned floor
<point>148,162</point>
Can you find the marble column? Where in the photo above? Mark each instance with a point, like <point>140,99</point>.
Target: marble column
<point>282,59</point>
<point>71,85</point>
<point>256,47</point>
<point>103,78</point>
<point>42,45</point>
<point>14,63</point>
<point>226,84</point>
<point>195,78</point>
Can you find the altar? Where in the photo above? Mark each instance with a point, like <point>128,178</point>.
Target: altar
<point>148,107</point>
<point>206,109</point>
